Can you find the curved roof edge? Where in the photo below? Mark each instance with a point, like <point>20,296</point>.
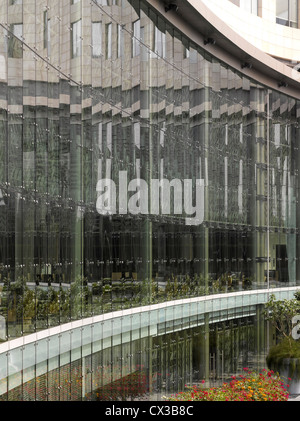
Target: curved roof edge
<point>194,19</point>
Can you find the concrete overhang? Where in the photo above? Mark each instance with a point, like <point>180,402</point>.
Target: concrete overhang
<point>195,20</point>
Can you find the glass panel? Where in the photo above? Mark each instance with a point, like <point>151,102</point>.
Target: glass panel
<point>14,370</point>
<point>294,13</point>
<point>136,38</point>
<point>97,39</point>
<point>121,99</point>
<point>76,39</point>
<point>287,12</point>
<point>282,9</point>
<point>3,374</point>
<point>108,40</point>
<point>53,352</point>
<point>15,48</point>
<point>75,344</point>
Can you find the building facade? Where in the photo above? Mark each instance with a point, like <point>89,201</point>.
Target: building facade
<point>143,161</point>
<point>272,26</point>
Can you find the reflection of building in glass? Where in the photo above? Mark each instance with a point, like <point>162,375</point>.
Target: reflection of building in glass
<point>257,21</point>
<point>89,90</point>
<point>287,12</point>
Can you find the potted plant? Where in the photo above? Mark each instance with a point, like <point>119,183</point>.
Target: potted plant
<point>284,356</point>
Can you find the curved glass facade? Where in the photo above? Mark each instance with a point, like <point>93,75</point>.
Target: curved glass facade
<point>148,367</point>
<point>140,354</point>
<point>136,168</point>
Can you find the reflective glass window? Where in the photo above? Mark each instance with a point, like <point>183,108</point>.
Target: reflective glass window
<point>136,38</point>
<point>15,49</point>
<point>108,40</point>
<point>287,12</point>
<point>97,39</point>
<point>76,39</point>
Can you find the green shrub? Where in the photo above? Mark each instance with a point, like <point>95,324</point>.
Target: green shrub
<point>287,349</point>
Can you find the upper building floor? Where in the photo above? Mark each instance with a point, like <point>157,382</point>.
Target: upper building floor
<point>270,25</point>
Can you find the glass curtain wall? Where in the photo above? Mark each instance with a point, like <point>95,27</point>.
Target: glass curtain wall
<point>120,359</point>
<point>135,167</point>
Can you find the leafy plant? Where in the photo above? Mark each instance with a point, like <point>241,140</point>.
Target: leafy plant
<point>285,355</point>
<point>280,314</point>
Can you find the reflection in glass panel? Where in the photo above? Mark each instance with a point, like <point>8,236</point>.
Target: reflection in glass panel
<point>287,12</point>
<point>15,49</point>
<point>136,38</point>
<point>151,367</point>
<point>47,33</point>
<point>76,39</point>
<point>135,175</point>
<point>108,39</point>
<point>97,39</point>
